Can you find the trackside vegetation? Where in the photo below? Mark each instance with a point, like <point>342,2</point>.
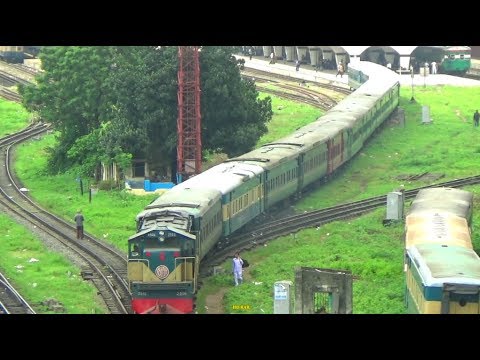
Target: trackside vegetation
<point>374,254</point>
<point>13,118</point>
<point>114,103</point>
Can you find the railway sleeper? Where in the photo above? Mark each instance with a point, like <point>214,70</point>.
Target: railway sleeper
<point>87,274</point>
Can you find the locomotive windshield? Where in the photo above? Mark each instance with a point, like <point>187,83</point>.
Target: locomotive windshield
<point>165,240</point>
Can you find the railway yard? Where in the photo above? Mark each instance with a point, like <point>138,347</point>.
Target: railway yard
<point>105,265</point>
<point>102,264</point>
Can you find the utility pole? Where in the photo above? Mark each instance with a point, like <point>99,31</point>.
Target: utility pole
<point>411,74</point>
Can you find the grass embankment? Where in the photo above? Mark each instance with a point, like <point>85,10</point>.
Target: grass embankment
<point>110,215</point>
<point>37,272</point>
<point>13,117</point>
<point>40,274</point>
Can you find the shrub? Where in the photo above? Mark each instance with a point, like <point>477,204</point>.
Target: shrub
<point>107,185</point>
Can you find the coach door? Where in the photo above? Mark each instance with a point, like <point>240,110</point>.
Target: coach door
<point>300,173</point>
<point>335,153</point>
<point>331,156</point>
<point>342,148</point>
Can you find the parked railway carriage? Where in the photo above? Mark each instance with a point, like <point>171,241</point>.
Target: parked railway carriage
<point>224,198</point>
<point>442,269</point>
<point>12,54</point>
<point>442,279</point>
<point>440,215</point>
<point>456,60</point>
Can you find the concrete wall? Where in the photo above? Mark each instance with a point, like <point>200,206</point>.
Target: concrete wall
<point>475,52</point>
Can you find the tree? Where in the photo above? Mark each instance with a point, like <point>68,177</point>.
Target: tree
<point>233,118</point>
<point>111,103</point>
<point>70,94</point>
<point>144,85</point>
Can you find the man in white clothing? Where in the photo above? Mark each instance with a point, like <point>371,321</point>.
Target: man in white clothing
<point>237,269</point>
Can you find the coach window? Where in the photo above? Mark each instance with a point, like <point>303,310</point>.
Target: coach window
<point>138,169</point>
<point>135,250</point>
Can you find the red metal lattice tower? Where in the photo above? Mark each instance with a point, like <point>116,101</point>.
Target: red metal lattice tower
<point>189,146</point>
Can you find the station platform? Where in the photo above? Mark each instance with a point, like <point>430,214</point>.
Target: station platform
<point>305,72</point>
<point>308,73</point>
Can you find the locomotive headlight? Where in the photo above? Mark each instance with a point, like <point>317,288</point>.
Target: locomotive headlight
<point>161,238</point>
<point>161,233</point>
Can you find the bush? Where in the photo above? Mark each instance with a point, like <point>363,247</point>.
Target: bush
<point>107,185</point>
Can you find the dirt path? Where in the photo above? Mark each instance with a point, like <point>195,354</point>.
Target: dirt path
<point>214,302</point>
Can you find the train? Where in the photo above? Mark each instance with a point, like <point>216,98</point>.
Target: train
<point>442,270</point>
<point>12,54</point>
<point>453,60</point>
<point>177,230</point>
<point>456,60</point>
<point>18,54</point>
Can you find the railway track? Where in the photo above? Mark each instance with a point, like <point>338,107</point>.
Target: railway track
<point>12,75</point>
<point>20,72</point>
<point>294,97</point>
<point>324,101</point>
<point>25,70</point>
<point>473,73</point>
<point>11,302</point>
<point>292,224</point>
<point>103,264</point>
<point>289,88</point>
<point>10,80</point>
<point>272,77</point>
<point>10,95</point>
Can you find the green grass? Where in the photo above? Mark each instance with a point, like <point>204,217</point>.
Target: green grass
<point>374,255</point>
<point>51,277</point>
<point>287,116</point>
<point>112,210</point>
<point>13,117</point>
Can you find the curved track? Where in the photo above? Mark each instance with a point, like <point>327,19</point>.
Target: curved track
<point>267,76</point>
<point>10,95</point>
<point>291,224</point>
<point>105,265</point>
<point>12,75</point>
<point>289,88</point>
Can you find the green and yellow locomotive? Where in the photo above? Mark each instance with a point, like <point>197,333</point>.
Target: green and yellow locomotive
<point>174,233</point>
